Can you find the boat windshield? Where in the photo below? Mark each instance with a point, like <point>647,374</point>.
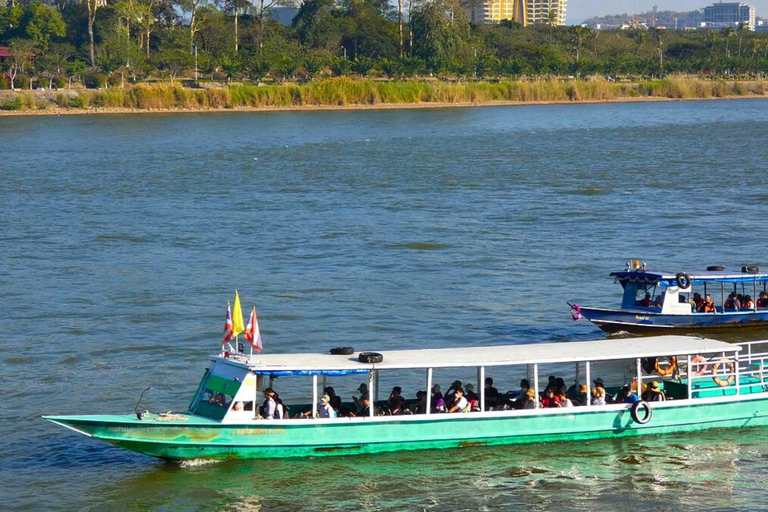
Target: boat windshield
<point>216,397</point>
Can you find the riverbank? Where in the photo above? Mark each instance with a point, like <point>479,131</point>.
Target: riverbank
<point>345,93</point>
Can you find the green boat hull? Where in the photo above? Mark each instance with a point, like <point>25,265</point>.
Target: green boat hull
<point>200,438</point>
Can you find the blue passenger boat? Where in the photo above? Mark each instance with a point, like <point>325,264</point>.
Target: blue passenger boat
<point>672,301</point>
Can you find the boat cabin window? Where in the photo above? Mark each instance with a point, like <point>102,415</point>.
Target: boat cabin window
<point>643,294</point>
<point>217,396</point>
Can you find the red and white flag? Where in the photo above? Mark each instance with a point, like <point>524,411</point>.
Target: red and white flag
<point>228,326</point>
<point>252,334</point>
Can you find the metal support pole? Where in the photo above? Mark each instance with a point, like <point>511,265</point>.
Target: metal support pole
<point>256,397</point>
<point>689,375</point>
<point>314,396</point>
<point>736,369</point>
<point>536,383</point>
<point>639,368</point>
<point>429,392</point>
<point>481,386</point>
<point>376,386</point>
<point>587,370</point>
<point>325,383</point>
<point>371,390</point>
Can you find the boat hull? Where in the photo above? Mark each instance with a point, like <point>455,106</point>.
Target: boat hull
<point>346,436</point>
<point>639,322</point>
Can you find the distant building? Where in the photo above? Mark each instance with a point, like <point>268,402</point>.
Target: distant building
<point>538,11</point>
<point>524,12</point>
<point>729,14</point>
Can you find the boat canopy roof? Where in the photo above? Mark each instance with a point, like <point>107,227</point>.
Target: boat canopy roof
<point>498,355</point>
<point>696,277</point>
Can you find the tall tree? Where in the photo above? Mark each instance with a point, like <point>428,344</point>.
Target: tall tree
<point>93,7</point>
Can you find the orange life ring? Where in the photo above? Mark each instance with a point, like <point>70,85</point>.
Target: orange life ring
<point>728,364</point>
<point>670,369</point>
<point>701,361</point>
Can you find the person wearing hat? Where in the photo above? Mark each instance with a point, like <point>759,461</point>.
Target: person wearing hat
<point>363,389</point>
<point>324,408</point>
<point>529,401</point>
<point>654,392</point>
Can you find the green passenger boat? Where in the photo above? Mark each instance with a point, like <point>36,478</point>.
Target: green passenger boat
<point>712,385</point>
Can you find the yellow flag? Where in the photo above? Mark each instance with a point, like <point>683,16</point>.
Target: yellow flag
<point>237,317</point>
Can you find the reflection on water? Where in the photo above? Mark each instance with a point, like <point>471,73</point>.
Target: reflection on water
<point>684,472</point>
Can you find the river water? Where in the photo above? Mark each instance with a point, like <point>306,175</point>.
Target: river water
<point>122,238</point>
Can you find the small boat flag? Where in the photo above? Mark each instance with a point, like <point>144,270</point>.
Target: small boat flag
<point>237,316</point>
<point>228,326</point>
<point>575,312</point>
<point>252,334</point>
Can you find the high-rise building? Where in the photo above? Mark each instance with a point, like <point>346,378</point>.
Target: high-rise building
<point>524,12</point>
<point>538,11</point>
<point>724,14</point>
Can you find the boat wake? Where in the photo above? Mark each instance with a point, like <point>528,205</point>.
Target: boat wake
<point>196,463</point>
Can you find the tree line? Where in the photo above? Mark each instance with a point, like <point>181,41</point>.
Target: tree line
<point>112,43</point>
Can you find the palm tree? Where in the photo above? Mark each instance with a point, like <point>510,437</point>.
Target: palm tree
<point>728,33</point>
<point>551,17</point>
<point>742,28</point>
<point>581,33</point>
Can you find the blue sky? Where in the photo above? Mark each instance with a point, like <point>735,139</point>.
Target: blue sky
<point>578,10</point>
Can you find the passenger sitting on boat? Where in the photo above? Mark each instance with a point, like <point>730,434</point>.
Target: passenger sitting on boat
<point>335,399</point>
<point>696,301</point>
<point>733,302</point>
<point>238,406</point>
<point>748,303</point>
<point>762,302</point>
<point>560,386</point>
<point>325,409</point>
<point>530,401</point>
<point>421,402</point>
<point>366,407</point>
<point>363,389</point>
<point>450,395</point>
<point>645,301</point>
<point>654,393</point>
<point>551,384</point>
<point>548,401</point>
<point>396,402</point>
<point>491,394</point>
<point>269,408</point>
<point>581,395</point>
<point>460,403</point>
<point>563,400</point>
<point>470,395</point>
<point>708,306</point>
<point>627,396</point>
<point>437,402</point>
<point>598,396</point>
<point>659,301</point>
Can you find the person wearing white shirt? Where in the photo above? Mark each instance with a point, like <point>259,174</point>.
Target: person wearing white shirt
<point>460,402</point>
<point>324,409</point>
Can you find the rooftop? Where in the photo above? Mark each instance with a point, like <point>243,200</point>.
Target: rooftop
<point>499,355</point>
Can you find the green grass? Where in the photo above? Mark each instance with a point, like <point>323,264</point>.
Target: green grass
<point>350,92</point>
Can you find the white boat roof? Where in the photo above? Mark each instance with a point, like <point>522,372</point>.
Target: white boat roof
<point>697,276</point>
<point>498,355</point>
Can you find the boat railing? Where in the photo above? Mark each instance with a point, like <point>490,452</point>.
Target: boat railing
<point>729,373</point>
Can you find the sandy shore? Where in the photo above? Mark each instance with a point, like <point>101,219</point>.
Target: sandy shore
<point>58,111</point>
